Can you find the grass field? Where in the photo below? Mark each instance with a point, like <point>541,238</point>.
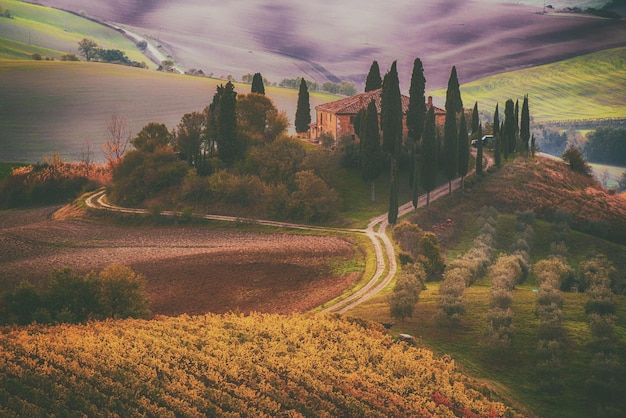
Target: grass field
<point>585,87</point>
<point>58,107</point>
<point>56,31</point>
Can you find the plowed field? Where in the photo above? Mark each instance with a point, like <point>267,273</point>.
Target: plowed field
<point>191,269</point>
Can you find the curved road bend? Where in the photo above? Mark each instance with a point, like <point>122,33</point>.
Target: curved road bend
<point>376,232</point>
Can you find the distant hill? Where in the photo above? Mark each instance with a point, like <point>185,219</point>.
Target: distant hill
<point>588,87</point>
<point>52,33</point>
<point>231,365</point>
<point>323,42</point>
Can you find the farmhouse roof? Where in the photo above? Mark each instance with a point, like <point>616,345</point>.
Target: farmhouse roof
<point>351,105</point>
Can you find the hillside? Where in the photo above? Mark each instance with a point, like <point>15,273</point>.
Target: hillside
<point>582,88</point>
<point>60,107</point>
<point>33,27</point>
<point>231,365</point>
<point>543,185</point>
<point>339,42</point>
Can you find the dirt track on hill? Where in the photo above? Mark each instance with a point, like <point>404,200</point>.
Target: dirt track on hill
<point>192,269</point>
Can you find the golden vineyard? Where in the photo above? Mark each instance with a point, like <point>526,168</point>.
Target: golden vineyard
<point>230,365</point>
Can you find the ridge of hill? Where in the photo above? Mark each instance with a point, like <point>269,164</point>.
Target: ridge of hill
<point>231,365</point>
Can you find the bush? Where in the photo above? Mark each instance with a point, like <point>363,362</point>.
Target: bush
<point>122,293</point>
<point>574,158</point>
<point>140,176</point>
<point>313,200</point>
<point>117,292</point>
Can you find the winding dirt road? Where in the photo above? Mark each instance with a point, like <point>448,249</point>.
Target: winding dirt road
<point>386,266</point>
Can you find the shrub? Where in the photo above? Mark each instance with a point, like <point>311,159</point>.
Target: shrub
<point>122,293</point>
<point>117,292</point>
<point>69,57</point>
<point>574,158</point>
<point>406,291</point>
<point>408,236</point>
<point>313,200</point>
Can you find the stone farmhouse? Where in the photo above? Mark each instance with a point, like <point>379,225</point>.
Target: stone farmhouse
<point>337,118</point>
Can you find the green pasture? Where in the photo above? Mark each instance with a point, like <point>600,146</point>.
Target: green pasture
<point>57,31</point>
<point>582,88</point>
<point>59,107</point>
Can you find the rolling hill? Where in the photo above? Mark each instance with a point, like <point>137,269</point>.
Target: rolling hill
<point>339,40</point>
<point>582,88</point>
<point>33,27</point>
<point>59,107</point>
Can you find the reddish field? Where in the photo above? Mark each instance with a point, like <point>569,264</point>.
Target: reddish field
<point>192,269</point>
<point>339,40</point>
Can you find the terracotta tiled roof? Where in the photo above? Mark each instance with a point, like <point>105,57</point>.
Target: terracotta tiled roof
<point>351,105</point>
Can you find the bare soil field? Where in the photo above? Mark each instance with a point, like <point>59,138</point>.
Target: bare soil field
<point>339,40</point>
<point>191,269</point>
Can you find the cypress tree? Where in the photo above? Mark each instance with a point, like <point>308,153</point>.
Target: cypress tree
<point>373,80</point>
<point>525,124</point>
<point>510,126</point>
<point>478,135</point>
<point>391,109</point>
<point>428,167</point>
<point>516,117</point>
<point>479,151</point>
<point>464,150</point>
<point>415,117</point>
<point>496,135</point>
<point>257,84</point>
<point>391,112</point>
<point>392,215</point>
<point>229,148</point>
<point>450,139</point>
<point>371,154</point>
<point>303,109</point>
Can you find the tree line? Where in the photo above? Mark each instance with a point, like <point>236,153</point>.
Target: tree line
<point>115,292</point>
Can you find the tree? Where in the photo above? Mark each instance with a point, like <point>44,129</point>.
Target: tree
<point>621,182</point>
<point>391,112</point>
<point>371,154</point>
<point>151,137</point>
<point>391,109</point>
<point>525,124</point>
<point>574,158</point>
<point>464,150</point>
<point>122,293</point>
<point>497,155</point>
<point>454,105</point>
<point>258,117</point>
<point>119,138</point>
<point>189,137</point>
<point>373,80</point>
<point>257,84</point>
<point>224,106</point>
<point>510,127</point>
<point>88,48</point>
<point>477,133</point>
<point>406,291</point>
<point>415,119</point>
<point>303,110</point>
<point>428,167</point>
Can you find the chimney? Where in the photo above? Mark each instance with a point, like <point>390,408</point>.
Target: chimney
<point>430,102</point>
